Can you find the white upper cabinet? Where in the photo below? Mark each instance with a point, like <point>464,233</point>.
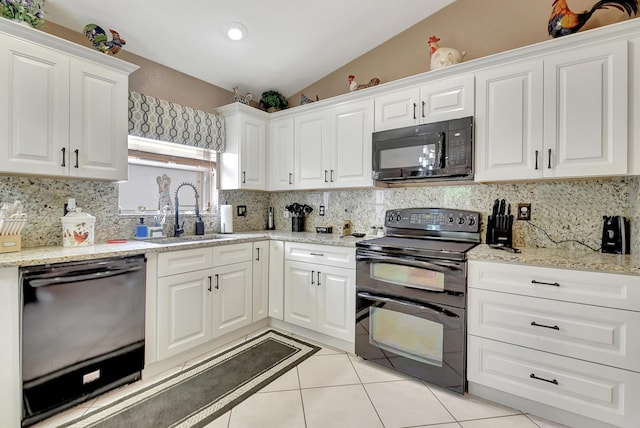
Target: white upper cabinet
<point>281,154</point>
<point>561,116</point>
<point>333,147</point>
<point>61,115</point>
<point>243,163</point>
<point>445,99</point>
<point>509,122</point>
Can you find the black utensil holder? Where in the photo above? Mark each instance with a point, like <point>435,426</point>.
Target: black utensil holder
<point>500,230</point>
<point>297,224</point>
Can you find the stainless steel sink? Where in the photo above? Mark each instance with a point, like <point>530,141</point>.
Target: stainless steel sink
<point>188,238</point>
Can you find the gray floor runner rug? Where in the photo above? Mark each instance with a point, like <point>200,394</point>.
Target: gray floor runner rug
<point>201,393</point>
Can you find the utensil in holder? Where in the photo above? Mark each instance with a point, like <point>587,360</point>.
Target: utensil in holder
<point>297,224</point>
<point>10,239</point>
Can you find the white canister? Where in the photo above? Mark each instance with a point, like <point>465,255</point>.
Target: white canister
<point>78,229</point>
<point>226,218</point>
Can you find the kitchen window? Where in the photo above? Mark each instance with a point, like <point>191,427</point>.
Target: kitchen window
<point>157,168</point>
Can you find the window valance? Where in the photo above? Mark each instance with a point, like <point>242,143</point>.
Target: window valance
<point>163,120</point>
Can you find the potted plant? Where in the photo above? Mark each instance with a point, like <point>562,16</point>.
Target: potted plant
<point>273,101</point>
<point>30,11</point>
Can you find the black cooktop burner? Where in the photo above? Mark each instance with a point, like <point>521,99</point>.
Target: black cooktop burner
<point>419,247</point>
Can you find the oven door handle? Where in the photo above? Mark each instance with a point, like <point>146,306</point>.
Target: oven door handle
<point>440,266</point>
<point>433,309</point>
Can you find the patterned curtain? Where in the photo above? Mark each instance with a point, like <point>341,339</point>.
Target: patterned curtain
<point>163,120</point>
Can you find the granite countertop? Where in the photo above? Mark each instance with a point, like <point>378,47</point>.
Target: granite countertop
<point>546,257</point>
<point>561,258</point>
<point>45,255</point>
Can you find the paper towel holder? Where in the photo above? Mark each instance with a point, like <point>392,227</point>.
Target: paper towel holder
<point>226,218</point>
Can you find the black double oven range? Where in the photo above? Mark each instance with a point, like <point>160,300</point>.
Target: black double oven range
<point>411,298</point>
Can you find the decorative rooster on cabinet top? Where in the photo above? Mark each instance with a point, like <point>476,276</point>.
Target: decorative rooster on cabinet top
<point>563,21</point>
<point>98,38</point>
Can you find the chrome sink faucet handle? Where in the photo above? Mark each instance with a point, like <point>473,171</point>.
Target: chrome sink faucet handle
<point>179,229</point>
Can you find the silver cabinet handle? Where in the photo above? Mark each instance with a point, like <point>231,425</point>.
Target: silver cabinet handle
<point>290,177</point>
<point>64,157</point>
<point>76,151</point>
<point>325,176</point>
<point>331,176</point>
<point>244,177</point>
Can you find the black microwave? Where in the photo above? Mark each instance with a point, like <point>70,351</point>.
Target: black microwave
<point>440,150</point>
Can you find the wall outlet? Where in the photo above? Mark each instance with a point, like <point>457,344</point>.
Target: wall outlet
<point>321,211</point>
<point>524,212</point>
<point>242,210</point>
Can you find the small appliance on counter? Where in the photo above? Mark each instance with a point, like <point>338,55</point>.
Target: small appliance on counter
<point>500,226</point>
<point>615,235</point>
<point>270,221</point>
<point>12,220</point>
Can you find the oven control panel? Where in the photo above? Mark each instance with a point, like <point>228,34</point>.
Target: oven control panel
<point>438,219</point>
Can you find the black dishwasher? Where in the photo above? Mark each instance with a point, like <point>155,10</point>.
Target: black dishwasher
<point>82,331</point>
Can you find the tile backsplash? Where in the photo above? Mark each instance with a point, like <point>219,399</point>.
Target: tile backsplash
<point>561,210</point>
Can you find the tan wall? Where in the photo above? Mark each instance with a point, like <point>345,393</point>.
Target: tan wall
<point>156,80</point>
<point>479,27</point>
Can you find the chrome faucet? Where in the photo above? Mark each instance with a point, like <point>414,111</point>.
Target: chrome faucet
<point>178,228</point>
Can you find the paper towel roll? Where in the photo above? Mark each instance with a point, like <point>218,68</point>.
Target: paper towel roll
<point>226,218</point>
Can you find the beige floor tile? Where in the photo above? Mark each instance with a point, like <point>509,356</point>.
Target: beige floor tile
<point>286,382</point>
<point>369,372</point>
<point>339,407</point>
<point>518,421</point>
<point>281,409</point>
<point>467,407</point>
<point>221,422</point>
<point>327,370</point>
<point>61,418</point>
<point>543,423</point>
<point>450,425</point>
<point>406,403</point>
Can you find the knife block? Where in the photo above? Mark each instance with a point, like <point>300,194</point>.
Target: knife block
<point>500,230</point>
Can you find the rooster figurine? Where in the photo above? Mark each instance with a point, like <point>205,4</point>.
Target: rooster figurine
<point>563,21</point>
<point>442,57</point>
<point>98,37</point>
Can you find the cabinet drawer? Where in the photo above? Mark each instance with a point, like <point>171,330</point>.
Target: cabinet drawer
<point>235,253</point>
<point>592,333</point>
<point>599,392</point>
<point>175,262</point>
<point>594,288</point>
<point>321,254</point>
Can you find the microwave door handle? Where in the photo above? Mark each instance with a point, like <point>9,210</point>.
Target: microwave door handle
<point>411,263</point>
<point>69,278</point>
<point>443,155</point>
<point>433,310</point>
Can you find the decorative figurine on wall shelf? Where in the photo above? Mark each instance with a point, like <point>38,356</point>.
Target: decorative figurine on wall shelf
<point>98,37</point>
<point>306,100</point>
<point>244,99</point>
<point>443,57</point>
<point>563,21</point>
<point>164,192</point>
<point>353,85</point>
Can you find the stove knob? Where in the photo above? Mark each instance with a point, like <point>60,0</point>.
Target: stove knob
<point>398,218</point>
<point>471,221</point>
<point>390,219</point>
<point>461,220</point>
<point>450,219</point>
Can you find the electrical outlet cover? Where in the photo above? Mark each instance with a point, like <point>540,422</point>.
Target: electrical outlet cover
<point>242,210</point>
<point>524,212</point>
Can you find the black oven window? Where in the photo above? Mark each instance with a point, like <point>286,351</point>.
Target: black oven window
<point>409,336</point>
<point>408,276</point>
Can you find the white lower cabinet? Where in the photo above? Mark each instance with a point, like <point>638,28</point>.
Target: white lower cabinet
<point>564,338</point>
<point>276,279</point>
<point>319,296</point>
<point>202,294</point>
<point>260,280</point>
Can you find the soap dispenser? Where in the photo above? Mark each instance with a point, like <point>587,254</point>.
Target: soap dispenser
<point>142,230</point>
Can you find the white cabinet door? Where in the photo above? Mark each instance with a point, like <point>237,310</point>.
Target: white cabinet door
<point>397,109</point>
<point>634,106</point>
<point>260,280</point>
<point>585,111</point>
<point>336,302</point>
<point>184,312</point>
<point>276,279</point>
<point>281,154</point>
<point>34,109</point>
<point>98,122</point>
<point>312,150</point>
<point>508,122</point>
<point>232,296</point>
<point>447,99</point>
<point>300,294</point>
<point>351,144</point>
<point>253,153</point>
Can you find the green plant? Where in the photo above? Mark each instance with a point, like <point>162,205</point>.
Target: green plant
<point>273,99</point>
<point>30,11</point>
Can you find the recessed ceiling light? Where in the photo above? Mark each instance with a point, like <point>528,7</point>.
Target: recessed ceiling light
<point>236,31</point>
